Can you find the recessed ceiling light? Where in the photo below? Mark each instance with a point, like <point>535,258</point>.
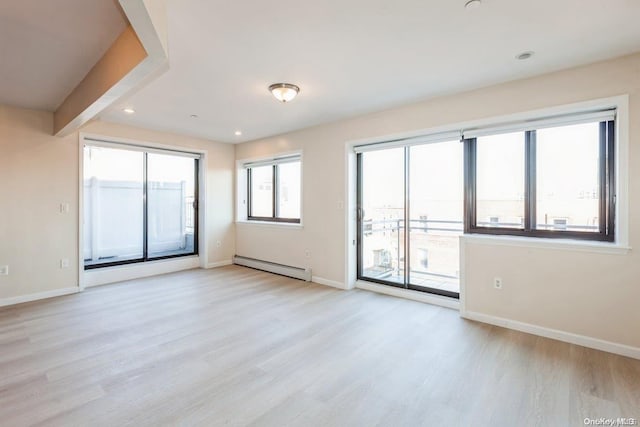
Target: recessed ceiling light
<point>238,133</point>
<point>129,110</point>
<point>472,4</point>
<point>284,92</point>
<point>524,55</point>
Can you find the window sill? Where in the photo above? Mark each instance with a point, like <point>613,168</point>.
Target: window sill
<point>274,224</point>
<point>544,243</point>
<point>131,265</point>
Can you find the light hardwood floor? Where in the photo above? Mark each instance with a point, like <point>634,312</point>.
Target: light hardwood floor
<point>235,346</point>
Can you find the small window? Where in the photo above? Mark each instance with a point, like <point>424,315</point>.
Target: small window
<point>547,181</point>
<point>288,190</point>
<point>274,190</point>
<point>568,178</point>
<point>261,191</point>
<point>500,180</point>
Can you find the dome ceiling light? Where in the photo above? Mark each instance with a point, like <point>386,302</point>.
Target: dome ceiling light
<point>284,92</point>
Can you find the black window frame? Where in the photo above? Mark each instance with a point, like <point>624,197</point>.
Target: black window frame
<point>606,192</point>
<point>145,241</point>
<point>275,181</point>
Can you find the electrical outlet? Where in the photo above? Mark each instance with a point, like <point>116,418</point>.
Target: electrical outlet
<point>4,270</point>
<point>64,263</point>
<point>497,283</point>
<point>307,253</point>
<point>218,244</point>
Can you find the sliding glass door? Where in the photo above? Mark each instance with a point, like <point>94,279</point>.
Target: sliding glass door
<point>139,205</point>
<point>410,216</point>
<point>171,205</point>
<point>382,215</point>
<point>113,205</point>
<point>436,200</point>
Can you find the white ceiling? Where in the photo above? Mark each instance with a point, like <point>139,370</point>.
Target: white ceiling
<point>47,47</point>
<point>348,56</point>
<point>351,57</point>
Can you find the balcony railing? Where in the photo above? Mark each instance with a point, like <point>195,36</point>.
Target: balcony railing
<point>388,260</point>
<point>387,265</point>
<point>427,225</point>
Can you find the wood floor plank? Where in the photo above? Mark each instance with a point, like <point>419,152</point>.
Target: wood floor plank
<point>234,346</point>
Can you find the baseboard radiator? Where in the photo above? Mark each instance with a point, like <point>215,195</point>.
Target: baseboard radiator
<point>272,267</point>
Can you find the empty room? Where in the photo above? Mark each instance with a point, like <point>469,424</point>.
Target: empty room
<point>356,213</point>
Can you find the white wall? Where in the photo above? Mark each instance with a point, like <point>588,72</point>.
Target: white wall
<point>39,171</point>
<point>592,294</point>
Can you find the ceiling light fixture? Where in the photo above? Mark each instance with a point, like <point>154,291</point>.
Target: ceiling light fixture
<point>472,4</point>
<point>524,55</point>
<point>284,92</point>
<point>194,116</point>
<point>238,133</point>
<point>129,110</point>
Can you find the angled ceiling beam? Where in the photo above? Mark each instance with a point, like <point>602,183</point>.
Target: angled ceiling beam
<point>138,56</point>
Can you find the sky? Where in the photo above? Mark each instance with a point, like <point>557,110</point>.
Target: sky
<point>567,174</point>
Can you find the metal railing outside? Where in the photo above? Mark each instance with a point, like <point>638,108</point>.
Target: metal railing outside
<point>446,227</point>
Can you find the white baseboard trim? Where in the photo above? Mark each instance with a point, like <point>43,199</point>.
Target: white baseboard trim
<point>327,282</point>
<point>219,263</point>
<point>104,276</point>
<point>585,341</point>
<point>409,294</point>
<point>38,296</point>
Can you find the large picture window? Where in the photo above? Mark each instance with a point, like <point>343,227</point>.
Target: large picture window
<point>139,205</point>
<point>273,190</point>
<point>552,181</point>
<point>552,177</point>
